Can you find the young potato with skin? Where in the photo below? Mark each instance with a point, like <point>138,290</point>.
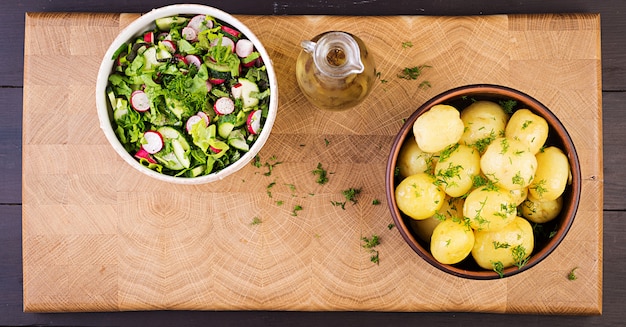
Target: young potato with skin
<point>438,128</point>
<point>412,160</point>
<point>483,121</point>
<point>509,164</point>
<point>528,128</point>
<point>541,211</point>
<point>489,208</point>
<point>552,174</point>
<point>509,246</point>
<point>452,241</point>
<point>452,208</point>
<point>418,197</point>
<point>456,169</point>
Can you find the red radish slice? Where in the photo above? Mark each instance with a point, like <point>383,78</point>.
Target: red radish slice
<point>231,31</point>
<point>181,58</point>
<point>236,90</point>
<point>148,37</point>
<point>216,81</point>
<point>225,42</point>
<point>192,121</point>
<point>214,149</point>
<point>194,60</point>
<point>204,117</point>
<point>244,48</point>
<point>169,45</point>
<point>254,122</point>
<point>209,86</point>
<point>224,106</point>
<point>154,141</point>
<point>189,34</point>
<point>139,101</point>
<point>199,23</point>
<point>143,154</point>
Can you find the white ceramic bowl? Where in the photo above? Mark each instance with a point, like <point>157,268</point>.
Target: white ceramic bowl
<point>145,23</point>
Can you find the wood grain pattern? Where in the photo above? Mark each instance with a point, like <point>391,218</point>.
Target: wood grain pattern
<point>98,236</point>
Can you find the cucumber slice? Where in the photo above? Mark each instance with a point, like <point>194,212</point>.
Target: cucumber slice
<point>169,132</point>
<point>247,89</point>
<point>197,171</point>
<point>218,67</point>
<point>180,153</point>
<point>238,141</point>
<point>166,23</point>
<point>150,56</point>
<point>168,160</point>
<point>224,129</point>
<point>175,106</point>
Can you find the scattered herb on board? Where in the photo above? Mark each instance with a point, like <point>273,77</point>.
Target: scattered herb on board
<point>424,85</point>
<point>280,202</point>
<point>391,226</point>
<point>351,194</point>
<point>370,244</point>
<point>412,73</point>
<point>375,202</point>
<point>383,81</point>
<point>572,275</point>
<point>407,44</point>
<point>339,204</point>
<point>295,210</point>
<point>271,164</point>
<point>256,221</point>
<point>257,161</point>
<point>321,173</point>
<point>269,188</point>
<point>326,142</point>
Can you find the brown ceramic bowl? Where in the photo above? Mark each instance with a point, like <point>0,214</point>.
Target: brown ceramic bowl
<point>460,98</point>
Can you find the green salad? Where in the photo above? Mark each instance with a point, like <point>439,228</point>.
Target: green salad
<point>190,97</point>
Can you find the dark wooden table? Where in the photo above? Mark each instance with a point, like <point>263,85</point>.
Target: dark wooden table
<point>614,135</point>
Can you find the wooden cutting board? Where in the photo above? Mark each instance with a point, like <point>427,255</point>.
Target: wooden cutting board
<point>99,236</point>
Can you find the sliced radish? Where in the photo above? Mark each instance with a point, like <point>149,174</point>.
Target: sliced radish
<point>224,106</point>
<point>216,81</point>
<point>244,48</point>
<point>154,141</point>
<point>139,101</point>
<point>189,34</point>
<point>214,149</point>
<point>169,45</point>
<point>231,31</point>
<point>204,117</point>
<point>209,86</point>
<point>199,23</point>
<point>224,41</point>
<point>181,58</point>
<point>192,121</point>
<point>148,37</point>
<point>254,122</point>
<point>194,60</point>
<point>236,90</point>
<point>143,154</point>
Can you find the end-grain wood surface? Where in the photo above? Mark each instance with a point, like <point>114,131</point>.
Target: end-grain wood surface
<point>613,83</point>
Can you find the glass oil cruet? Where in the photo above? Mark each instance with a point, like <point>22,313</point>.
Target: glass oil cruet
<point>335,71</point>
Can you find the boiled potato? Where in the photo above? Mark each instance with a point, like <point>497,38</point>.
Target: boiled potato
<point>412,160</point>
<point>452,241</point>
<point>456,169</point>
<point>483,121</point>
<point>489,209</point>
<point>527,128</point>
<point>438,128</point>
<point>506,247</point>
<point>508,163</point>
<point>519,195</point>
<point>552,174</point>
<point>541,211</point>
<point>452,209</point>
<point>418,197</point>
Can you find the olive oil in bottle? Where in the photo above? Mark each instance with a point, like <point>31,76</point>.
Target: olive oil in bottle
<point>335,71</point>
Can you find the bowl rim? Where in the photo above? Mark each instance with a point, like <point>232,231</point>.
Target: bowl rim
<point>503,91</point>
<point>140,25</point>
